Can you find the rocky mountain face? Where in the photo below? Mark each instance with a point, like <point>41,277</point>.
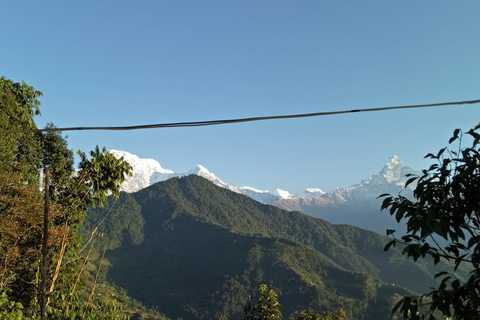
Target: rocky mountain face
<point>356,205</point>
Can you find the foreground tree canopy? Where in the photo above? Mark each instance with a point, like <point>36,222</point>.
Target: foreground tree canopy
<point>22,156</point>
<point>268,308</point>
<point>446,207</point>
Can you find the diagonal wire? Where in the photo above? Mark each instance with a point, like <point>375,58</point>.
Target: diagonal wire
<point>98,225</point>
<point>217,122</point>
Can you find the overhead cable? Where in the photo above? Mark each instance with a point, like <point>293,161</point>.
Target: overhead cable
<point>217,122</point>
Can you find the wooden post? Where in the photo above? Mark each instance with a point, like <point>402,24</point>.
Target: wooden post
<point>45,248</point>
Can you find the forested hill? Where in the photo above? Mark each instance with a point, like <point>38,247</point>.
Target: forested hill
<point>195,250</point>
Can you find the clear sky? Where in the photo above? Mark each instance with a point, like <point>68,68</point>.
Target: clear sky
<point>114,63</point>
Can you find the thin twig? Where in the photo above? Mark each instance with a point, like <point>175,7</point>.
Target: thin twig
<point>95,282</point>
<point>59,262</point>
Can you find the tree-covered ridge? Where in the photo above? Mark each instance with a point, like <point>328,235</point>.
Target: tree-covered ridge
<point>352,248</point>
<point>62,291</point>
<point>205,249</point>
<point>123,218</point>
<point>194,269</point>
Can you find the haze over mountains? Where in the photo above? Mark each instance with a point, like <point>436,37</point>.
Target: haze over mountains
<point>355,205</point>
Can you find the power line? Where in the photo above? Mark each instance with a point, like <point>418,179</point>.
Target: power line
<point>217,122</point>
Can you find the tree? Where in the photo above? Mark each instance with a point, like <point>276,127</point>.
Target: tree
<point>268,307</point>
<point>20,151</point>
<point>21,233</point>
<point>311,315</point>
<point>446,205</point>
<point>22,154</point>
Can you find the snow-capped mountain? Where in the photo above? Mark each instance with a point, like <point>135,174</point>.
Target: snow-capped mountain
<point>148,171</point>
<point>143,170</point>
<point>357,204</point>
<point>390,179</point>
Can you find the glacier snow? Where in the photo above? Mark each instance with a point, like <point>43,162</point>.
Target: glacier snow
<point>148,171</point>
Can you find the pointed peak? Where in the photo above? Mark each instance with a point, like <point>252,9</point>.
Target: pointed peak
<point>394,171</point>
<point>199,169</point>
<point>394,162</point>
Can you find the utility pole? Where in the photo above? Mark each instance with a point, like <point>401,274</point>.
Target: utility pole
<point>45,248</point>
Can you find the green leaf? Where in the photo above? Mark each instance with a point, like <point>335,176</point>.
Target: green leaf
<point>390,231</point>
<point>440,152</point>
<point>409,181</point>
<point>442,273</point>
<point>396,307</point>
<point>455,136</point>
<point>388,245</point>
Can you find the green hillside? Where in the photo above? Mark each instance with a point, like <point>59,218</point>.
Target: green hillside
<point>193,250</point>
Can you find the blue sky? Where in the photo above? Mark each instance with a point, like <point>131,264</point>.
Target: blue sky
<point>114,63</point>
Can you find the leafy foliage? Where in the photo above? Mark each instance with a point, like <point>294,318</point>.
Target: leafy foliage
<point>19,151</point>
<point>447,205</point>
<point>311,315</point>
<point>101,174</point>
<point>22,153</point>
<point>11,310</point>
<point>21,235</point>
<point>268,307</point>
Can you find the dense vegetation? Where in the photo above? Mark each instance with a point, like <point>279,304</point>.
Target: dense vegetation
<point>23,153</point>
<point>195,250</point>
<point>446,207</point>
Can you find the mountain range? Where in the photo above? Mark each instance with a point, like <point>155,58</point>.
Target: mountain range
<point>194,250</point>
<point>148,171</point>
<point>355,205</point>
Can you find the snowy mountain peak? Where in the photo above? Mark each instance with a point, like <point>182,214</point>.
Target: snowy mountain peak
<point>282,193</point>
<point>309,193</point>
<point>394,163</point>
<point>139,163</point>
<point>143,169</point>
<point>392,177</point>
<point>148,171</point>
<point>394,171</point>
<point>199,169</point>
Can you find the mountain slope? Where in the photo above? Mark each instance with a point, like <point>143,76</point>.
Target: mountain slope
<point>197,251</point>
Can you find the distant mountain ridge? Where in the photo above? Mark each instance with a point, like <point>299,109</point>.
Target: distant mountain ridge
<point>391,179</point>
<point>148,171</point>
<point>359,204</point>
<point>356,205</point>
